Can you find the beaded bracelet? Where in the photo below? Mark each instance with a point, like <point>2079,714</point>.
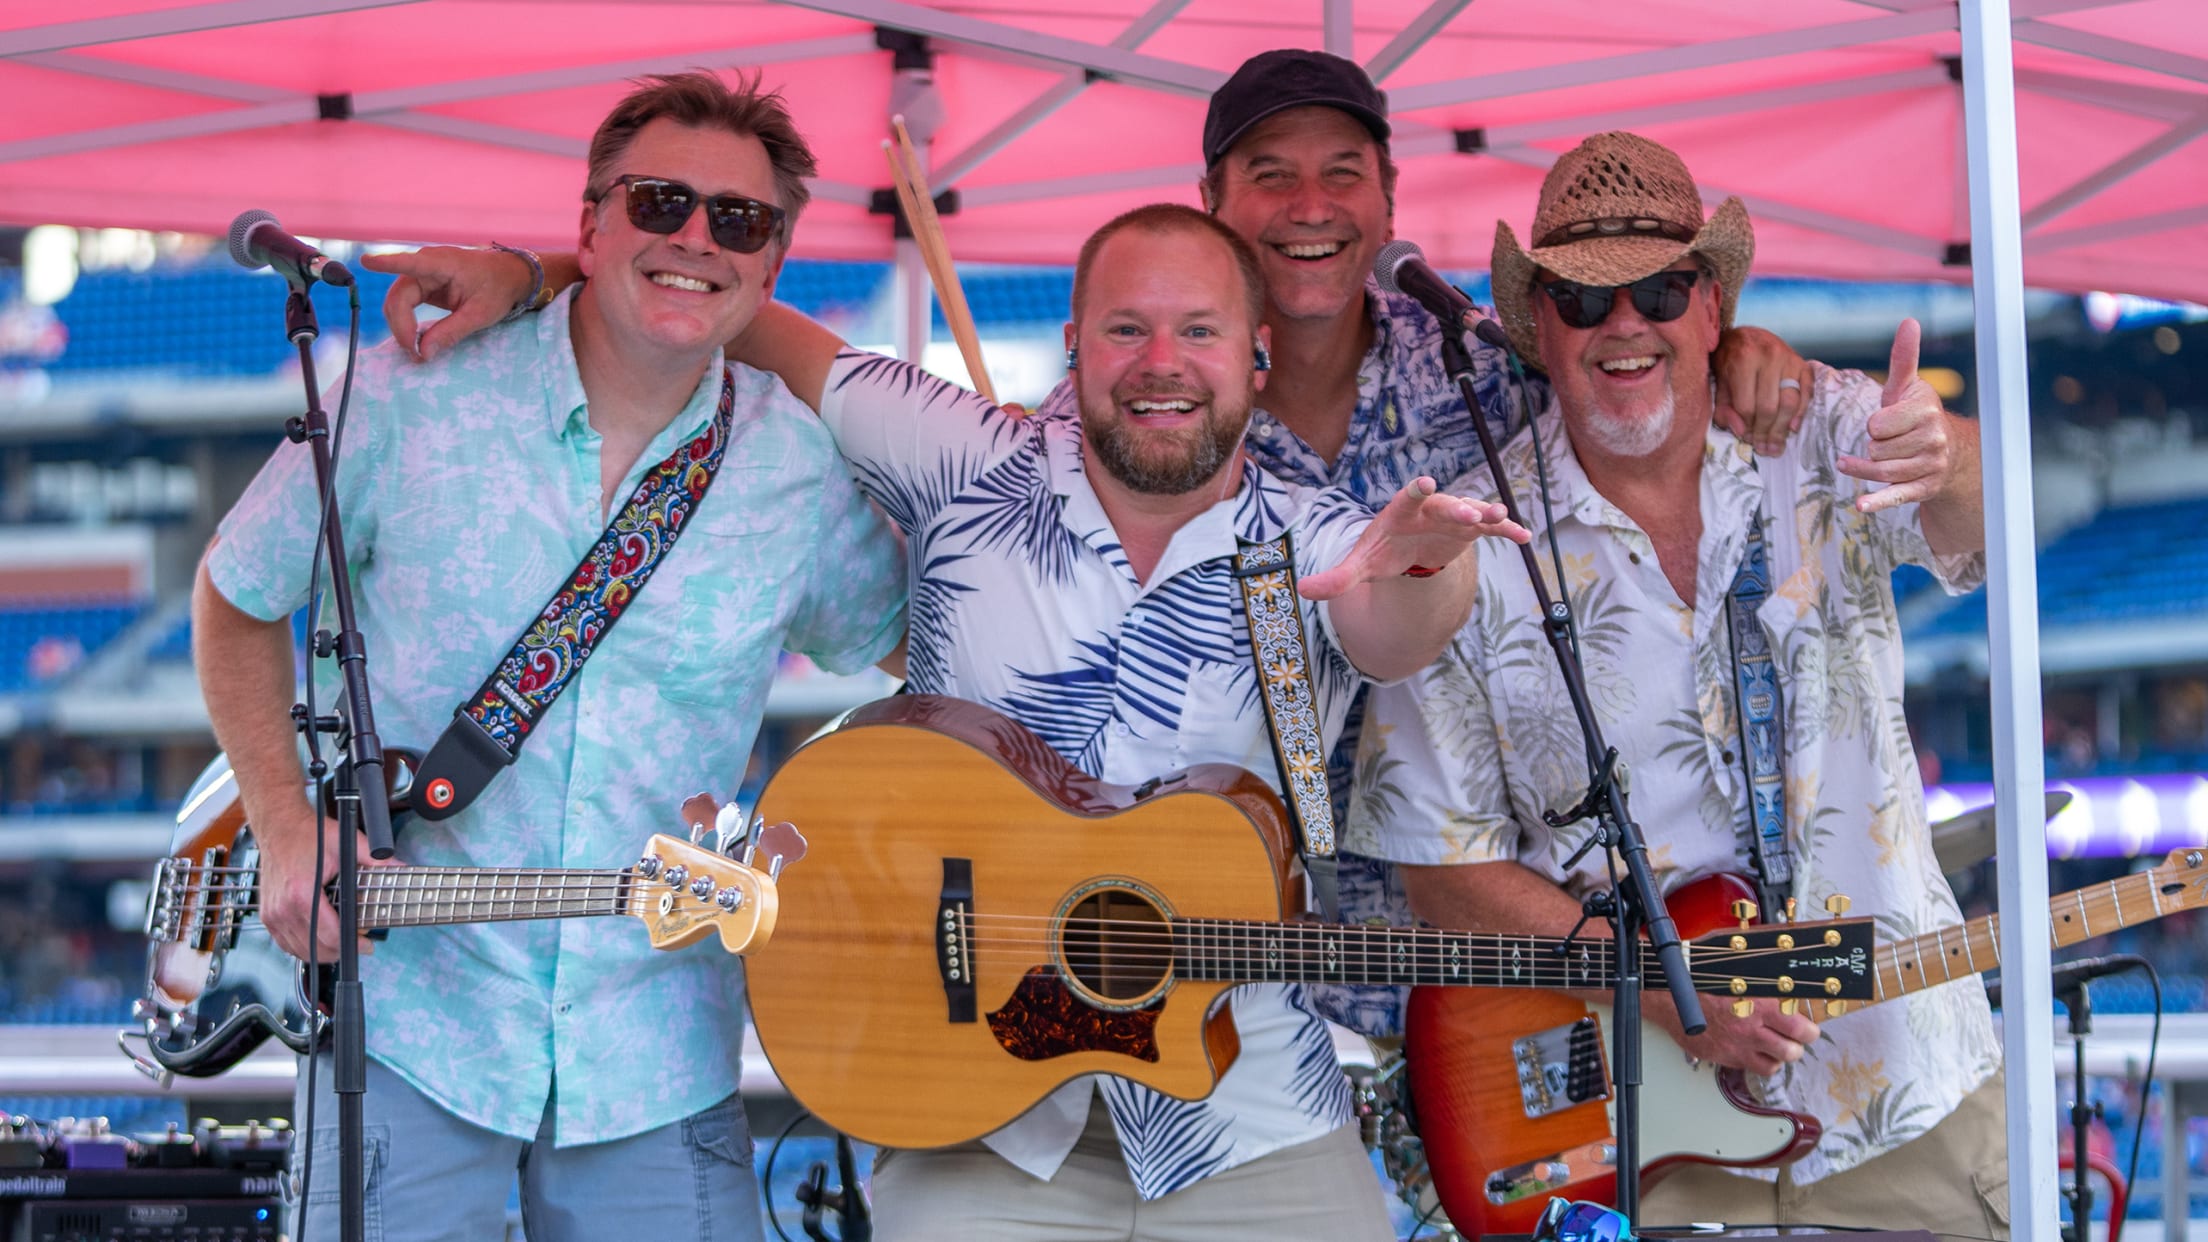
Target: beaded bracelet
<point>535,299</point>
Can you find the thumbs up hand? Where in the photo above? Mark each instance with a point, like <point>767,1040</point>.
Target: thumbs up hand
<point>1911,449</point>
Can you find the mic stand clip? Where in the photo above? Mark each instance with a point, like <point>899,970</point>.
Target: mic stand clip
<point>1634,904</point>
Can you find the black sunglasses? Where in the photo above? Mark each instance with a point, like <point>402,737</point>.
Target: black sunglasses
<point>657,205</point>
<point>1660,298</point>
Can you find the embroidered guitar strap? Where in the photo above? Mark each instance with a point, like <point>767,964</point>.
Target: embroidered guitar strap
<point>1267,572</point>
<point>1762,711</point>
<point>487,731</point>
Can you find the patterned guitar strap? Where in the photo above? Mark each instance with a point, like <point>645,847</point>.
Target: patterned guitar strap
<point>1762,712</point>
<point>487,731</point>
<point>1267,572</point>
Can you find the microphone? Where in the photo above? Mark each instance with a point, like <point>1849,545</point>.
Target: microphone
<point>2068,977</point>
<point>1401,267</point>
<point>257,241</point>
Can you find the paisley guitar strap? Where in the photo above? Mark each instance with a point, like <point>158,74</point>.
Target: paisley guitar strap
<point>487,731</point>
<point>1267,572</point>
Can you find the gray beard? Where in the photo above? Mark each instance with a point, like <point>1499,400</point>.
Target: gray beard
<point>1632,437</point>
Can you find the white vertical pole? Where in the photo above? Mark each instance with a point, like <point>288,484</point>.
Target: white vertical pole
<point>913,308</point>
<point>2012,612</point>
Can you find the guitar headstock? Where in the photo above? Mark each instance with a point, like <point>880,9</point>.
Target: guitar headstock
<point>683,890</point>
<point>2181,882</point>
<point>1820,967</point>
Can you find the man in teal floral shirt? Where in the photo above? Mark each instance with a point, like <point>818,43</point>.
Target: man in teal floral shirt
<point>603,1073</point>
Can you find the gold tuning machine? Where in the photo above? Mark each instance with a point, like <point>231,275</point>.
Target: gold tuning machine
<point>1832,985</point>
<point>1742,1008</point>
<point>1837,904</point>
<point>1744,910</point>
<point>1790,909</point>
<point>1790,1006</point>
<point>1834,1009</point>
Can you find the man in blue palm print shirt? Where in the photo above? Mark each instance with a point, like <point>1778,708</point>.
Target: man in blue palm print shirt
<point>1074,571</point>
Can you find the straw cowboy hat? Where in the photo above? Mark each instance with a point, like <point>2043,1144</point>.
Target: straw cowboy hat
<point>1616,208</point>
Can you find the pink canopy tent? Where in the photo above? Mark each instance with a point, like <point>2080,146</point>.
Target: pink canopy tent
<point>1840,121</point>
<point>1988,140</point>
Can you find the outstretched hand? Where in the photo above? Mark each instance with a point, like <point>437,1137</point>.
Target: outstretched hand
<point>1421,527</point>
<point>477,286</point>
<point>1910,449</point>
<point>1763,388</point>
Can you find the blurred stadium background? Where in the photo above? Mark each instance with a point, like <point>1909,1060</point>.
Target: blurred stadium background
<point>143,379</point>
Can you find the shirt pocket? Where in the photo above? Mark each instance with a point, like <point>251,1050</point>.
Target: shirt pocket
<point>721,637</point>
<point>1222,721</point>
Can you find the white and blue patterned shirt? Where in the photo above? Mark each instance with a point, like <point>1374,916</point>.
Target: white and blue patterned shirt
<point>469,489</point>
<point>1410,420</point>
<point>1023,600</point>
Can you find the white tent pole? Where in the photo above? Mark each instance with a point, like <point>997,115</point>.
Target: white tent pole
<point>1339,24</point>
<point>2012,611</point>
<point>914,301</point>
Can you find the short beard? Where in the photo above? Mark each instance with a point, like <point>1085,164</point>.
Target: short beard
<point>1631,437</point>
<point>1209,448</point>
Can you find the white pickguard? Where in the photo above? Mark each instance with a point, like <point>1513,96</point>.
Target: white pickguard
<point>1684,1113</point>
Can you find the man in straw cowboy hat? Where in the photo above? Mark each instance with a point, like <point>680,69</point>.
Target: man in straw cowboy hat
<point>1621,298</point>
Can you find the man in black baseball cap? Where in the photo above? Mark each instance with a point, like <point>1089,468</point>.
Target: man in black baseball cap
<point>1275,81</point>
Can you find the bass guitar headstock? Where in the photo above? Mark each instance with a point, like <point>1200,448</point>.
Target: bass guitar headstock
<point>685,889</point>
<point>1817,968</point>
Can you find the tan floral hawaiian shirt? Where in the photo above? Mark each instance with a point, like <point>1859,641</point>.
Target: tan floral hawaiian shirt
<point>1458,763</point>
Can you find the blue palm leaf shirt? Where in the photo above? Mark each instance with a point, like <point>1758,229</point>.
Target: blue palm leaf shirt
<point>469,489</point>
<point>1023,600</point>
<point>1410,420</point>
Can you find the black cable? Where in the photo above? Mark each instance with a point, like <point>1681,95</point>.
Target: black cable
<point>766,1177</point>
<point>2146,1088</point>
<point>1425,1218</point>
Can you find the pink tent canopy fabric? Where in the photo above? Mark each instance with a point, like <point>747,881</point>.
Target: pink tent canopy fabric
<point>1839,121</point>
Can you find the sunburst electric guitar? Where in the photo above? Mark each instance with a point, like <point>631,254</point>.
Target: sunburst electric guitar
<point>1512,1092</point>
<point>982,922</point>
<point>217,987</point>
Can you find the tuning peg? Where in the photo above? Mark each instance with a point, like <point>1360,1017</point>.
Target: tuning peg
<point>1742,1008</point>
<point>1832,938</point>
<point>1790,909</point>
<point>1790,1006</point>
<point>697,810</point>
<point>1744,910</point>
<point>1832,986</point>
<point>1837,904</point>
<point>1738,987</point>
<point>1834,1009</point>
<point>728,828</point>
<point>780,845</point>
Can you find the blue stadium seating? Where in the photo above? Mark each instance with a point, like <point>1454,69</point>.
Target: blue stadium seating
<point>2134,563</point>
<point>91,623</point>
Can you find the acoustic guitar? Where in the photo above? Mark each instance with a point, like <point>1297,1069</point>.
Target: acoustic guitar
<point>985,922</point>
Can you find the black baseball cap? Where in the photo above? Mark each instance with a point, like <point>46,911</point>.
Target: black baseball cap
<point>1285,78</point>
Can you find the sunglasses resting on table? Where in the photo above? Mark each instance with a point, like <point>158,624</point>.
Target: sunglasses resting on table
<point>657,205</point>
<point>1660,298</point>
<point>1568,1220</point>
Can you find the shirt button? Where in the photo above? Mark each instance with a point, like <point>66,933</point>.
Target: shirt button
<point>1635,557</point>
<point>1728,756</point>
<point>566,1006</point>
<point>1119,730</point>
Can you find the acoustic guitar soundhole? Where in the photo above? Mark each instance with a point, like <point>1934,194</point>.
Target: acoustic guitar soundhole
<point>1116,945</point>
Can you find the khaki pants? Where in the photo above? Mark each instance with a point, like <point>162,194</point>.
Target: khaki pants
<point>1953,1180</point>
<point>1323,1189</point>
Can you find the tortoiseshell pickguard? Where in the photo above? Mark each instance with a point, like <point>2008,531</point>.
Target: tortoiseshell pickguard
<point>1044,1019</point>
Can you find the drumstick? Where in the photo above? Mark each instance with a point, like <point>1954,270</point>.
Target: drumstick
<point>927,229</point>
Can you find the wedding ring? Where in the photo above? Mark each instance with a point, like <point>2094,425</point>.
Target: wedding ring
<point>1790,382</point>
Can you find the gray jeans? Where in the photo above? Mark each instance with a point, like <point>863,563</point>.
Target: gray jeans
<point>432,1176</point>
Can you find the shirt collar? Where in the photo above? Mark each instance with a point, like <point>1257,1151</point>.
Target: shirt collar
<point>568,406</point>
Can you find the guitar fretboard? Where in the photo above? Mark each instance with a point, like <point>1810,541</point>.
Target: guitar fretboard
<point>1959,952</point>
<point>1230,950</point>
<point>422,896</point>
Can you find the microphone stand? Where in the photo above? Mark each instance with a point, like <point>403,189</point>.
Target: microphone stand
<point>2080,1008</point>
<point>1635,904</point>
<point>358,785</point>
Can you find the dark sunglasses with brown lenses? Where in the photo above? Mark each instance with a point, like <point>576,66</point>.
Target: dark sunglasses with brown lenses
<point>1660,298</point>
<point>657,205</point>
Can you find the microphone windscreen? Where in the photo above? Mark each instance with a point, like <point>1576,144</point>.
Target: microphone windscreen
<point>241,236</point>
<point>1391,256</point>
